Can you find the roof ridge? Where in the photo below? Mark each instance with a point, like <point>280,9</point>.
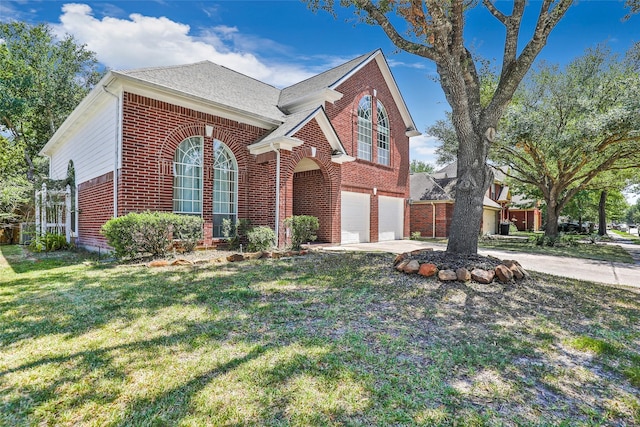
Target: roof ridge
<point>162,67</point>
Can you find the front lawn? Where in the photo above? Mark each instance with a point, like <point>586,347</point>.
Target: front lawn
<point>325,339</point>
<point>573,246</point>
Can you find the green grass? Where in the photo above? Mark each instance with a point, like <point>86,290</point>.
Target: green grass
<point>600,252</point>
<point>326,339</point>
<point>632,237</point>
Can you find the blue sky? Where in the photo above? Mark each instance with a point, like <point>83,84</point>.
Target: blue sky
<point>282,42</point>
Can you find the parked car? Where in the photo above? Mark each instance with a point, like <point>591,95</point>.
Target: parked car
<point>623,227</point>
<point>573,227</point>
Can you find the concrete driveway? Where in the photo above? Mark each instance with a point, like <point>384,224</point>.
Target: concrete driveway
<point>612,273</point>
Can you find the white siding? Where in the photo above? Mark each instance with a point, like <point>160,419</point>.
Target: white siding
<point>390,218</point>
<point>91,145</point>
<point>355,214</point>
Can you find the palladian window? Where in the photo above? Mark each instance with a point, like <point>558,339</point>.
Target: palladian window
<point>383,135</point>
<point>365,127</point>
<point>225,187</point>
<point>187,177</point>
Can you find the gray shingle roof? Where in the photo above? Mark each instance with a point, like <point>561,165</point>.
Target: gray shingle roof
<point>217,84</point>
<point>321,81</point>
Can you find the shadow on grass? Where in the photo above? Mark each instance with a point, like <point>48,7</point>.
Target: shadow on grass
<point>20,260</point>
<point>409,350</point>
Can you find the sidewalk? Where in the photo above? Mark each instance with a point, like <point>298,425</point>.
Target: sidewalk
<point>613,273</point>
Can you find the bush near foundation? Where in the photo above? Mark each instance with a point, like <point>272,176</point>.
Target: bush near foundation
<point>153,233</point>
<point>303,229</point>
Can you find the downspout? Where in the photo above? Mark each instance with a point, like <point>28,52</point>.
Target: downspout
<point>277,222</point>
<point>117,152</point>
<point>433,225</point>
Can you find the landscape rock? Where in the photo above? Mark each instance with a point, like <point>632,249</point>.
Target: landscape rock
<point>447,275</point>
<point>253,255</point>
<point>181,261</point>
<point>158,263</point>
<point>505,275</point>
<point>399,258</point>
<point>420,251</point>
<point>482,276</point>
<point>412,267</point>
<point>235,258</point>
<point>427,269</point>
<point>402,265</point>
<point>463,274</point>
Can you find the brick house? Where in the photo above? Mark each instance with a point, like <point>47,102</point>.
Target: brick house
<point>202,139</point>
<point>433,197</point>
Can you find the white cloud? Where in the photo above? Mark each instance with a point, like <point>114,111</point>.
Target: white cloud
<point>423,148</point>
<point>145,41</point>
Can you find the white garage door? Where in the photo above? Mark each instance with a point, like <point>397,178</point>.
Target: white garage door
<point>489,221</point>
<point>355,217</point>
<point>390,218</point>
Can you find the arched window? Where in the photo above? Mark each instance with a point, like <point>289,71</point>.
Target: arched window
<point>187,177</point>
<point>365,126</point>
<point>225,186</point>
<point>383,135</point>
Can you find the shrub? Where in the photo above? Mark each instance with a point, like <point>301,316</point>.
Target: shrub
<point>303,229</point>
<point>260,238</point>
<point>137,234</point>
<point>235,232</point>
<point>187,229</point>
<point>49,242</point>
<point>416,235</point>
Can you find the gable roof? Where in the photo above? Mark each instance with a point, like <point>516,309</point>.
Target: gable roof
<point>213,83</point>
<point>236,95</point>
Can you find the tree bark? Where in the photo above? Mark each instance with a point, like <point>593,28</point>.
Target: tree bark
<point>602,214</point>
<point>553,214</point>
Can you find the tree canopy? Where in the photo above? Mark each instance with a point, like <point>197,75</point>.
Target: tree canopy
<point>435,30</point>
<point>572,126</point>
<point>42,79</point>
<point>418,166</point>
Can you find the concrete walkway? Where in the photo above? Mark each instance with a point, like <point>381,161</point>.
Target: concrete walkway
<point>612,273</point>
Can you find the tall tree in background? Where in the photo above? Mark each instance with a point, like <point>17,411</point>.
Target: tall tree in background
<point>42,79</point>
<point>568,129</point>
<point>418,166</point>
<point>436,32</point>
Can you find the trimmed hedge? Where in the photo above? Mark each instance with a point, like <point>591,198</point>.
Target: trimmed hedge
<point>153,233</point>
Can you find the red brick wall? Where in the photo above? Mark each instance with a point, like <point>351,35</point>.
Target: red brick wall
<point>95,204</point>
<point>311,197</point>
<point>314,192</point>
<point>153,129</point>
<point>362,175</point>
<point>422,218</point>
<point>530,220</point>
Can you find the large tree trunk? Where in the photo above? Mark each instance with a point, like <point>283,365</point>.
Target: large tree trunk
<point>474,177</point>
<point>553,214</point>
<point>602,214</point>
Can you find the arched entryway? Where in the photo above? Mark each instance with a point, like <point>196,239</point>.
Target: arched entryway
<point>312,195</point>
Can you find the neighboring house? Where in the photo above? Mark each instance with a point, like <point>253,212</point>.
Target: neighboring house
<point>201,139</point>
<point>433,198</point>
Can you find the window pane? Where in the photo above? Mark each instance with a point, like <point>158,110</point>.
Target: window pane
<point>383,135</point>
<point>364,131</point>
<point>225,186</point>
<point>187,179</point>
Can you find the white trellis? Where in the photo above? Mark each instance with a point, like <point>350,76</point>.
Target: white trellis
<point>53,211</point>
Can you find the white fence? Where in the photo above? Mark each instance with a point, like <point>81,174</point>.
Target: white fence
<point>53,212</point>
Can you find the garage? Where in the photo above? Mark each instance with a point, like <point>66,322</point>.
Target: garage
<point>390,218</point>
<point>355,217</point>
<point>489,221</point>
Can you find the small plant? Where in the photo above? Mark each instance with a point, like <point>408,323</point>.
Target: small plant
<point>235,232</point>
<point>187,229</point>
<point>593,238</point>
<point>48,243</point>
<point>416,235</point>
<point>303,229</point>
<point>260,238</point>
